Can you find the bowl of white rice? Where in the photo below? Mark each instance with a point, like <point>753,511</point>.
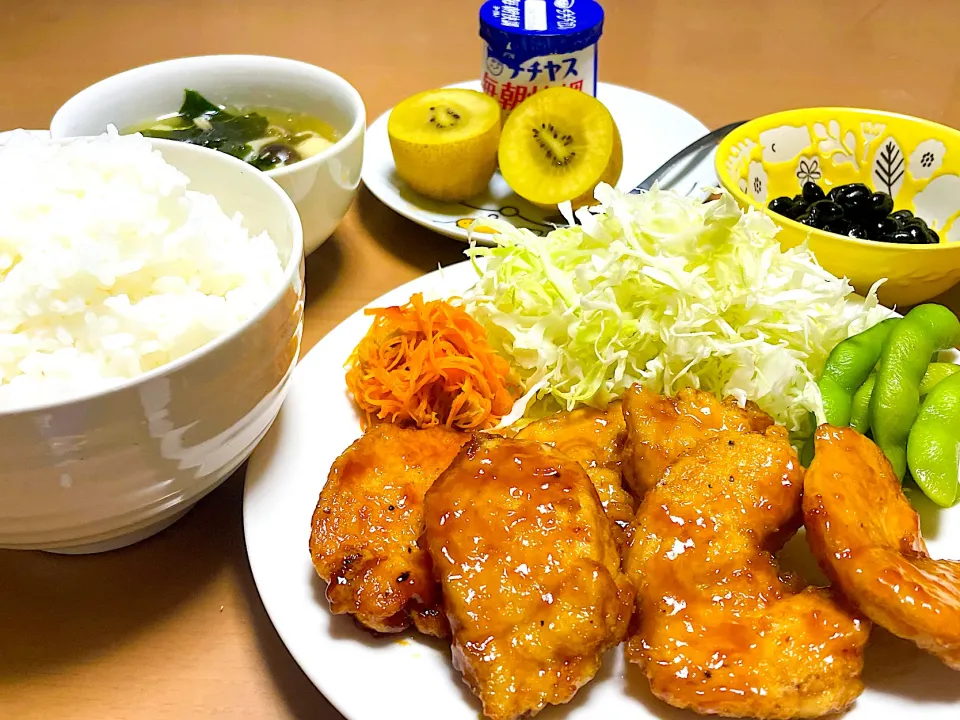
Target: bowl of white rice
<point>151,309</point>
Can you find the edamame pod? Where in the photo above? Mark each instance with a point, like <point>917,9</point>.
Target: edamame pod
<point>933,448</point>
<point>935,373</point>
<point>846,369</point>
<point>860,412</point>
<point>895,401</point>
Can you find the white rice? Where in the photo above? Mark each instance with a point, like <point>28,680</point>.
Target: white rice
<point>110,267</point>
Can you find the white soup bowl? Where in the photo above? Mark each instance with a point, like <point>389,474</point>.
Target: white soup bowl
<point>321,186</point>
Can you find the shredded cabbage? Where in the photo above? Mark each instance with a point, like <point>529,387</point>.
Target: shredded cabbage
<point>669,292</point>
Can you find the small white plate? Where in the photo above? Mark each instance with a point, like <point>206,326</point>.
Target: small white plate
<point>410,677</point>
<point>652,129</point>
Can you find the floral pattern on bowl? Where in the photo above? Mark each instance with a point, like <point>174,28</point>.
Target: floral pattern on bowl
<point>901,162</point>
<point>916,161</point>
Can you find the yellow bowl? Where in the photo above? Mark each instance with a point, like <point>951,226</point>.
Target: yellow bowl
<point>916,161</point>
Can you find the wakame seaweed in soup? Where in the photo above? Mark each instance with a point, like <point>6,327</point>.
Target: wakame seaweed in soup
<point>267,138</point>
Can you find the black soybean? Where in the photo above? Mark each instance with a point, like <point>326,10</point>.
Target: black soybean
<point>917,233</point>
<point>786,207</point>
<point>855,211</point>
<point>781,203</point>
<point>883,227</point>
<point>812,192</point>
<point>897,236</point>
<point>921,234</point>
<point>853,198</point>
<point>900,217</point>
<point>905,237</point>
<point>880,205</point>
<point>840,226</point>
<point>825,211</point>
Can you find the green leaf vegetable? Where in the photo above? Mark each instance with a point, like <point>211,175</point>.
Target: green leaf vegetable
<point>196,105</point>
<point>666,291</point>
<point>200,122</point>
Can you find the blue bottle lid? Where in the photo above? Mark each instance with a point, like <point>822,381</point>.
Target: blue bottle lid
<point>518,30</point>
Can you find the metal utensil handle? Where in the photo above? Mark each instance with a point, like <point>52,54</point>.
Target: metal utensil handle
<point>697,145</point>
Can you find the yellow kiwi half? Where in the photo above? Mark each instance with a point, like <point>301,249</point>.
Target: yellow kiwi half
<point>558,145</point>
<point>444,142</point>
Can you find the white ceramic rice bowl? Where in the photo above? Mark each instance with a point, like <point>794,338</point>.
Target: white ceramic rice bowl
<point>113,467</point>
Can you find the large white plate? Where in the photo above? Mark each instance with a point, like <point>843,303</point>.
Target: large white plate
<point>652,129</point>
<point>409,677</point>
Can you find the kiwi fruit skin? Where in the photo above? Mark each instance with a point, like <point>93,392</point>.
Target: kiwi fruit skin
<point>611,175</point>
<point>451,167</point>
<point>566,110</point>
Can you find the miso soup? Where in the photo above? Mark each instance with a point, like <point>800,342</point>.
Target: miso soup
<point>267,138</point>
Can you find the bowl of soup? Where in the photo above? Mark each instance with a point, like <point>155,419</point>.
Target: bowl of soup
<point>302,125</point>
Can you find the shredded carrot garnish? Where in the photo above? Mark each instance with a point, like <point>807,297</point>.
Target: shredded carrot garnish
<point>429,363</point>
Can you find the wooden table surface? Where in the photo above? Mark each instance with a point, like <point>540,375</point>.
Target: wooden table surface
<point>173,627</point>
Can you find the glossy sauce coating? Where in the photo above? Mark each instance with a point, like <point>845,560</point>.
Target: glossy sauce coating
<point>363,538</point>
<point>530,573</point>
<point>661,428</point>
<point>595,439</point>
<point>866,536</point>
<point>720,631</point>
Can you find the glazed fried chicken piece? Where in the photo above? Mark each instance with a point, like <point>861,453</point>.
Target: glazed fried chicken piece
<point>594,438</point>
<point>365,528</point>
<point>530,574</point>
<point>720,631</point>
<point>661,428</point>
<point>866,537</point>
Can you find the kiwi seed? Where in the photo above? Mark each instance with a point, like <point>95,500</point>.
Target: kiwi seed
<point>447,118</point>
<point>549,139</point>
